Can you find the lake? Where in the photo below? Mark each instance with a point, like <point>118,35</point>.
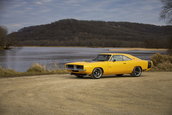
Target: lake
<point>21,58</point>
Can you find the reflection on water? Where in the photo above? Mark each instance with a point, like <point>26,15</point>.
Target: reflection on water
<point>21,58</point>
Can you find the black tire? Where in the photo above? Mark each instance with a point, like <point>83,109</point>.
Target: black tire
<point>97,73</point>
<point>119,75</point>
<point>137,71</point>
<point>79,76</point>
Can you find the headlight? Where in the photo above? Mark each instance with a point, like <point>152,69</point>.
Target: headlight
<point>70,66</point>
<point>75,67</point>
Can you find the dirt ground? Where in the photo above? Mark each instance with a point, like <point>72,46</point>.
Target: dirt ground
<point>150,94</point>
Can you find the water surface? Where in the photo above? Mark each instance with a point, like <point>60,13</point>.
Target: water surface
<point>21,58</point>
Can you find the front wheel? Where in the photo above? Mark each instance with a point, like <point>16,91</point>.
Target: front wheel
<point>97,73</point>
<point>137,71</point>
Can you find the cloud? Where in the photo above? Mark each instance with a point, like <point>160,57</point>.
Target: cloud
<point>120,10</point>
<point>39,3</point>
<point>35,12</point>
<point>42,2</point>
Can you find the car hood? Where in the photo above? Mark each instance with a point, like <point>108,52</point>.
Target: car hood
<point>86,63</point>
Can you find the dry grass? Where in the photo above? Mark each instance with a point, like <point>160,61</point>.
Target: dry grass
<point>165,66</point>
<point>35,69</point>
<point>8,72</point>
<point>162,62</point>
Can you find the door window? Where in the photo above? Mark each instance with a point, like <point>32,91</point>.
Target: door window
<point>120,58</point>
<point>117,58</point>
<point>125,58</point>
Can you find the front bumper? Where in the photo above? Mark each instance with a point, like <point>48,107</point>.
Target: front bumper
<point>75,70</point>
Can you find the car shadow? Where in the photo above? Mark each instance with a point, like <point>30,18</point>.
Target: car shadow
<point>106,77</point>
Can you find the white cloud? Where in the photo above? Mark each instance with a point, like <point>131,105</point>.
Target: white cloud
<point>41,2</point>
<point>38,2</point>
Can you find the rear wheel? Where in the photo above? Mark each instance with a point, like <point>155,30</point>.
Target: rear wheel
<point>97,73</point>
<point>137,71</point>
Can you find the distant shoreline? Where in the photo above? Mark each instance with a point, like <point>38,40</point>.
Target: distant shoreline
<point>109,48</point>
<point>138,49</point>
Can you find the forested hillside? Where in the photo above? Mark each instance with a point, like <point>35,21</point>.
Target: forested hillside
<point>71,32</point>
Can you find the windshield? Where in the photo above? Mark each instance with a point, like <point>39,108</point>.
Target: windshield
<point>102,58</point>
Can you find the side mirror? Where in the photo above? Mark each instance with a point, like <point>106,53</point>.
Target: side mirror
<point>114,60</point>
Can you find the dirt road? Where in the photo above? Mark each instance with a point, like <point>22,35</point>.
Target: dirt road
<point>150,94</point>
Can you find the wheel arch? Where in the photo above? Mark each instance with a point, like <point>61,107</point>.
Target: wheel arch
<point>100,68</point>
<point>134,74</point>
<point>94,69</point>
<point>138,66</point>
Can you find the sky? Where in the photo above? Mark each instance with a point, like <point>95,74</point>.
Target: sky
<point>16,14</point>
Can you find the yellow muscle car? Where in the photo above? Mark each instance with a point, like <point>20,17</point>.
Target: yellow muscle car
<point>110,64</point>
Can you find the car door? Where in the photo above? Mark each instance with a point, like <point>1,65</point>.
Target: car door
<point>117,65</point>
<point>128,64</point>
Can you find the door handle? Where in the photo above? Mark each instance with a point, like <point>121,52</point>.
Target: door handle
<point>124,63</point>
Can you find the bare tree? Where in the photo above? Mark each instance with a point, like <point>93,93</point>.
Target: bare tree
<point>166,12</point>
<point>4,41</point>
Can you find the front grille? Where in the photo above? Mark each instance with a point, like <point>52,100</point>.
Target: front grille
<point>79,67</point>
<point>75,67</point>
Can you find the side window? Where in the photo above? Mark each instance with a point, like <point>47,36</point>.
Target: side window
<point>117,58</point>
<point>125,58</point>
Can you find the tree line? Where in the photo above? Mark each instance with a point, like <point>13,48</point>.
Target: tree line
<point>72,32</point>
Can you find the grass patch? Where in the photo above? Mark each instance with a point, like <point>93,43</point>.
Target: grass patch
<point>35,69</point>
<point>7,72</point>
<point>162,62</point>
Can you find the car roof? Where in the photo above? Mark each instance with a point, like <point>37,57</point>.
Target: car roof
<point>128,55</point>
<point>114,54</point>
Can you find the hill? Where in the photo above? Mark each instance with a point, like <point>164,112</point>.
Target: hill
<point>71,32</point>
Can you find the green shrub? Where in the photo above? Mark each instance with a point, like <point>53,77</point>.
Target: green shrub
<point>37,68</point>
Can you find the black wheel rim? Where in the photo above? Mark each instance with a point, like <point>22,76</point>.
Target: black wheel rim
<point>138,71</point>
<point>97,73</point>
